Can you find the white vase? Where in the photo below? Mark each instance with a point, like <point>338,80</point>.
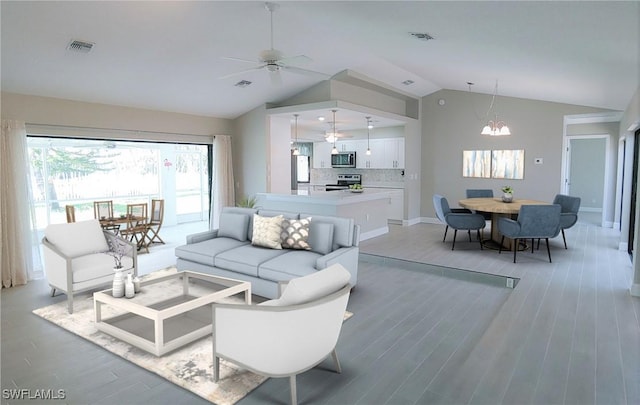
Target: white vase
<point>136,284</point>
<point>117,290</point>
<point>129,289</point>
<point>507,197</point>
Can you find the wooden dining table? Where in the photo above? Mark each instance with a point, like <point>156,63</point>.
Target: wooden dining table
<point>498,208</point>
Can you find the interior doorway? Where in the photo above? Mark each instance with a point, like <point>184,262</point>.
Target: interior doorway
<point>586,172</point>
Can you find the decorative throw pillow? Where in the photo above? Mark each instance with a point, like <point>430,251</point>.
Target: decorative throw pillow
<point>295,233</point>
<point>266,231</point>
<point>233,226</point>
<point>321,237</point>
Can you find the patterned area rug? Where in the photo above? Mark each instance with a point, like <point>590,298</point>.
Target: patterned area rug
<point>188,367</point>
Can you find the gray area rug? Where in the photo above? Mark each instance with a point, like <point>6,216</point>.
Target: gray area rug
<point>188,367</point>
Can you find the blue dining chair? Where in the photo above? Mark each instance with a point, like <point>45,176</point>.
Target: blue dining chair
<point>569,212</point>
<point>534,222</point>
<point>481,193</point>
<point>457,219</point>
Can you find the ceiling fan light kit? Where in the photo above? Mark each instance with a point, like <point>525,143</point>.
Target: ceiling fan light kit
<point>274,61</point>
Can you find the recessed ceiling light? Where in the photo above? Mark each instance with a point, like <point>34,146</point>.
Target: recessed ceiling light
<point>423,36</point>
<point>408,82</point>
<point>242,83</point>
<point>321,118</point>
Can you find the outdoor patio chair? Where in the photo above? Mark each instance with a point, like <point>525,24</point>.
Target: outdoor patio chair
<point>137,225</point>
<point>155,222</point>
<point>71,213</point>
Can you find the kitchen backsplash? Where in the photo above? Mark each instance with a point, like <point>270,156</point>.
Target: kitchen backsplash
<point>369,176</point>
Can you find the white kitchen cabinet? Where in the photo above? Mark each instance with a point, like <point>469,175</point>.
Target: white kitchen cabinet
<point>396,206</point>
<point>393,153</point>
<point>322,155</point>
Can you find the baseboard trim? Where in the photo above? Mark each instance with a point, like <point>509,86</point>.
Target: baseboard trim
<point>623,246</point>
<point>635,290</point>
<point>373,233</point>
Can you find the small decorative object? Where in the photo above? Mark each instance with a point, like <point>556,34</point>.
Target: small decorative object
<point>129,289</point>
<point>117,248</point>
<point>136,284</point>
<point>356,188</point>
<point>117,290</point>
<point>507,194</point>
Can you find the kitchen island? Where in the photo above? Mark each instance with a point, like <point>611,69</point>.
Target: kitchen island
<point>370,209</point>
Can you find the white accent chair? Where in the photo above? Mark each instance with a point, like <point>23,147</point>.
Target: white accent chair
<point>76,258</point>
<point>285,336</point>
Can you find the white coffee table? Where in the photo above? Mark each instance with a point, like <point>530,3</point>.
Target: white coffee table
<point>169,312</point>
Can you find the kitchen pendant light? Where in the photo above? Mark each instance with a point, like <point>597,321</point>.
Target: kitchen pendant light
<point>495,127</point>
<point>334,150</point>
<point>369,126</point>
<point>296,150</point>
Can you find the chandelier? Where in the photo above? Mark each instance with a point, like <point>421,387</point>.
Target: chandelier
<point>495,127</point>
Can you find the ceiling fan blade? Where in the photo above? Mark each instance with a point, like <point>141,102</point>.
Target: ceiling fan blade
<point>276,78</point>
<point>307,72</point>
<point>239,60</point>
<point>242,72</point>
<point>295,60</point>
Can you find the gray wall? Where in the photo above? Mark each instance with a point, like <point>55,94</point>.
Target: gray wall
<point>55,111</point>
<point>536,127</point>
<point>249,145</point>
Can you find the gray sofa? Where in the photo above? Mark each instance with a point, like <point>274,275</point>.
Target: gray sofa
<point>228,251</point>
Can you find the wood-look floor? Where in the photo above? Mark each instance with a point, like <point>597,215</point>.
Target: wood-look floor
<point>569,333</point>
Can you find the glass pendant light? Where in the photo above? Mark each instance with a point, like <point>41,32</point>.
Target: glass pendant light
<point>334,150</point>
<point>369,126</point>
<point>296,150</point>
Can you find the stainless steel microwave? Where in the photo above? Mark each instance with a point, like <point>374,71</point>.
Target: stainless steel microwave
<point>343,159</point>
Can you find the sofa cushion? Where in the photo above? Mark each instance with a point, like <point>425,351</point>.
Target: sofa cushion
<point>266,231</point>
<point>342,229</point>
<point>244,211</point>
<point>321,237</point>
<point>92,266</point>
<point>285,214</point>
<point>205,252</point>
<point>313,286</point>
<point>295,233</point>
<point>246,259</point>
<point>233,226</point>
<point>77,238</point>
<point>296,263</point>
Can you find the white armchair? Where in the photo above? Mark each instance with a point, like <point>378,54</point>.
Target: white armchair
<point>286,336</point>
<point>76,258</point>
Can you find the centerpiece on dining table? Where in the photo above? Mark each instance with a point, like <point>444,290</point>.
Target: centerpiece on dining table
<point>507,194</point>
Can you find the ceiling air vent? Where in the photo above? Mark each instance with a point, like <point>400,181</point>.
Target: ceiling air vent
<point>80,46</point>
<point>243,83</point>
<point>423,36</point>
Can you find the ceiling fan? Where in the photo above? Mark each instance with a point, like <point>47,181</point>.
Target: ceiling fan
<point>274,60</point>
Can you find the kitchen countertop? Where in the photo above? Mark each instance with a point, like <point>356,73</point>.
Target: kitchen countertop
<point>341,197</point>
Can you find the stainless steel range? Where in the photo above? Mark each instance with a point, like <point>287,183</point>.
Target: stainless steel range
<point>344,181</point>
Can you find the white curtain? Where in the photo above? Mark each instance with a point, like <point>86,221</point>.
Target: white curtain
<point>222,179</point>
<point>19,249</point>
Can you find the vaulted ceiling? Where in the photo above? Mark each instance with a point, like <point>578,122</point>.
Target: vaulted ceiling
<point>169,55</point>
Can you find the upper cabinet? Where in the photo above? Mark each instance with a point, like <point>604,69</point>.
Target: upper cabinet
<point>322,155</point>
<point>386,153</point>
<point>393,153</point>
